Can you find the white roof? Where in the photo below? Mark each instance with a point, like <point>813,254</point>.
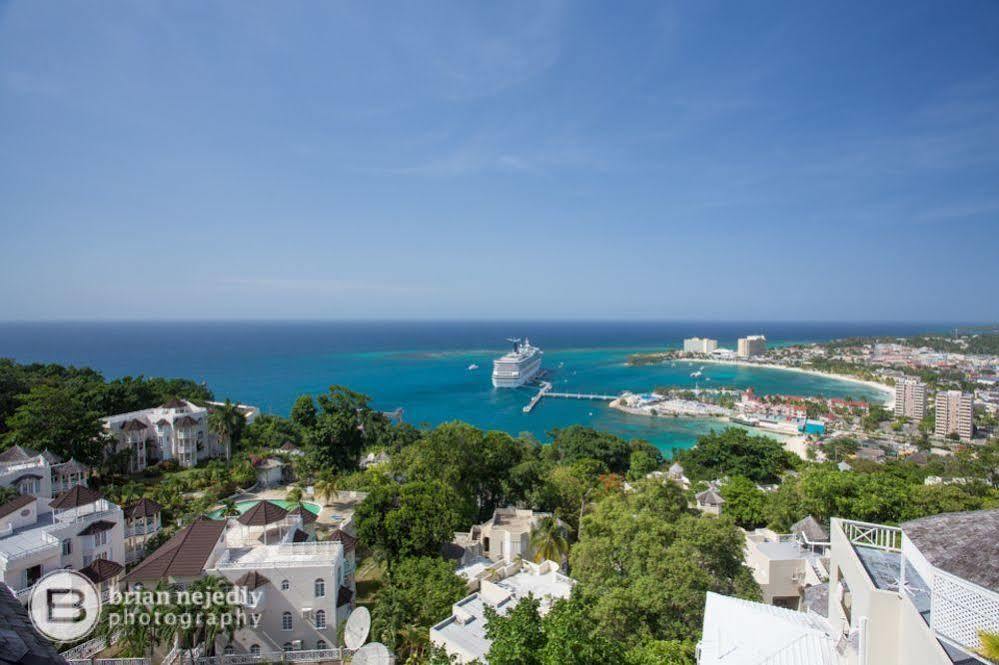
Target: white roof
<point>741,632</point>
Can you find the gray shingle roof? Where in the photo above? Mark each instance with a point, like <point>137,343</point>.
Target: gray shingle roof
<point>19,643</point>
<point>813,531</point>
<point>962,544</point>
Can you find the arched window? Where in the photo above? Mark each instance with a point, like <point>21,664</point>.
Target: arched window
<point>286,621</point>
<point>255,649</point>
<point>285,585</point>
<point>320,588</point>
<point>287,646</point>
<point>320,618</point>
<point>321,645</point>
<point>229,650</point>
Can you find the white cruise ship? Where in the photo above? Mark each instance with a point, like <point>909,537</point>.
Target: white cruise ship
<point>517,367</point>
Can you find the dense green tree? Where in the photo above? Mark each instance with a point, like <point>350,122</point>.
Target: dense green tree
<point>417,593</point>
<point>338,436</point>
<point>517,638</point>
<point>571,637</point>
<point>270,431</point>
<point>54,418</point>
<point>642,463</point>
<point>736,452</point>
<point>744,502</point>
<point>303,413</point>
<point>661,652</point>
<point>413,519</point>
<point>575,443</point>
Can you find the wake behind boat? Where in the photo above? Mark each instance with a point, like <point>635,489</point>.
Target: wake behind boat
<point>518,366</point>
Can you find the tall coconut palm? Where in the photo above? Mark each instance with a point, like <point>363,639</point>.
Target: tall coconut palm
<point>294,498</point>
<point>215,625</point>
<point>227,422</point>
<point>548,540</point>
<point>229,508</point>
<point>327,487</point>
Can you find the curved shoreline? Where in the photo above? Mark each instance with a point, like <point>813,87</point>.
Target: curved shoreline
<point>889,391</point>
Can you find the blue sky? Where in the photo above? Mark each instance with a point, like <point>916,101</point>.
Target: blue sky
<point>538,160</point>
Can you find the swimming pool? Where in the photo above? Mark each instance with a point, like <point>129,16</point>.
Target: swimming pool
<point>243,506</point>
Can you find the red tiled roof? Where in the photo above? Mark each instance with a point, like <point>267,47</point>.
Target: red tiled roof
<point>78,495</point>
<point>184,555</point>
<point>101,570</point>
<point>142,508</point>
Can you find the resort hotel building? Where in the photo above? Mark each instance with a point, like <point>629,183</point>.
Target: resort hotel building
<point>955,414</point>
<point>699,345</point>
<point>910,398</point>
<point>920,593</point>
<point>753,345</point>
<point>503,537</point>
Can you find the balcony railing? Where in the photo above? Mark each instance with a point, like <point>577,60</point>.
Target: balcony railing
<point>960,609</point>
<point>878,536</point>
<point>311,656</point>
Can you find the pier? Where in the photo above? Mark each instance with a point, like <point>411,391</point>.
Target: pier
<point>545,390</point>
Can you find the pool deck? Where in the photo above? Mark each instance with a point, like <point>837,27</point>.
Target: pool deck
<point>337,512</point>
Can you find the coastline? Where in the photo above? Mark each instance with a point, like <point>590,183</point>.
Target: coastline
<point>886,389</point>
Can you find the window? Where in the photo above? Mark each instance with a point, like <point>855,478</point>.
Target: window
<point>229,650</point>
<point>321,645</point>
<point>287,646</point>
<point>28,487</point>
<point>320,588</point>
<point>255,649</point>
<point>67,547</point>
<point>286,621</point>
<point>320,618</point>
<point>285,585</point>
<point>100,538</point>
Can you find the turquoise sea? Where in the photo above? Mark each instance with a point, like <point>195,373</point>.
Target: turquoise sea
<point>422,366</point>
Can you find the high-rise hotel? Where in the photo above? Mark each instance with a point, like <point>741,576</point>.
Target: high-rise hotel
<point>753,345</point>
<point>910,399</point>
<point>955,413</point>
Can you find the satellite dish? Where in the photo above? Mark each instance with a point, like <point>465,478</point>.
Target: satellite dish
<point>355,633</point>
<point>375,653</point>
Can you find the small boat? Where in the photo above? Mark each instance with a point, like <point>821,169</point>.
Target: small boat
<point>694,375</point>
<point>473,367</point>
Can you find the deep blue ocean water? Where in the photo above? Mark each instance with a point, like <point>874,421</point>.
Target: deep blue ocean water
<point>422,366</point>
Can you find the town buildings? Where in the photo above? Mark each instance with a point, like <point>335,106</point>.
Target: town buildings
<point>177,430</point>
<point>955,414</point>
<point>463,634</point>
<point>753,345</point>
<point>699,345</point>
<point>910,398</point>
<point>916,594</point>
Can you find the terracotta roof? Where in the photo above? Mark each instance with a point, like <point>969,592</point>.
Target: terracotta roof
<point>962,544</point>
<point>184,555</point>
<point>76,496</point>
<point>341,536</point>
<point>252,580</point>
<point>175,404</point>
<point>101,570</point>
<point>343,596</point>
<point>299,536</point>
<point>97,527</point>
<point>307,516</point>
<point>15,504</point>
<point>186,421</point>
<point>262,514</point>
<point>20,644</point>
<point>134,425</point>
<point>142,508</point>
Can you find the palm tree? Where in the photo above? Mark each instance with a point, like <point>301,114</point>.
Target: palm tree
<point>548,540</point>
<point>214,625</point>
<point>226,421</point>
<point>327,487</point>
<point>411,643</point>
<point>229,508</point>
<point>294,498</point>
<point>990,645</point>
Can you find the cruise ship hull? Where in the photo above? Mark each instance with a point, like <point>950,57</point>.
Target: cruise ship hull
<point>517,367</point>
<point>515,380</point>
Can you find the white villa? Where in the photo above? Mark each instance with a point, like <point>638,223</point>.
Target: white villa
<point>177,430</point>
<point>916,594</point>
<point>306,587</point>
<point>503,537</point>
<point>74,530</point>
<point>39,474</point>
<point>786,565</point>
<point>463,634</point>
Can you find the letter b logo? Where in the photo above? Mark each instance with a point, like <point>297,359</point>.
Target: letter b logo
<point>64,606</point>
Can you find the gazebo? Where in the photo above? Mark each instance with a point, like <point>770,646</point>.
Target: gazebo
<point>265,517</point>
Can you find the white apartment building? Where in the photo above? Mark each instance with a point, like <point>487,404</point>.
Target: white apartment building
<point>39,535</point>
<point>699,345</point>
<point>143,520</point>
<point>306,587</point>
<point>786,565</point>
<point>39,474</point>
<point>910,399</point>
<point>463,634</point>
<point>503,537</point>
<point>955,413</point>
<point>177,430</point>
<point>753,345</point>
<point>916,594</point>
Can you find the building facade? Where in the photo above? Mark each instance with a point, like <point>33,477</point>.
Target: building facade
<point>699,345</point>
<point>753,345</point>
<point>910,399</point>
<point>955,414</point>
<point>504,537</point>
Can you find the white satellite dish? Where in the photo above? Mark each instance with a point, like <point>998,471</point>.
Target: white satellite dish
<point>355,633</point>
<point>375,653</point>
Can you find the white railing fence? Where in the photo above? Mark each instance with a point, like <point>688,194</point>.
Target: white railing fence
<point>960,609</point>
<point>311,656</point>
<point>873,535</point>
